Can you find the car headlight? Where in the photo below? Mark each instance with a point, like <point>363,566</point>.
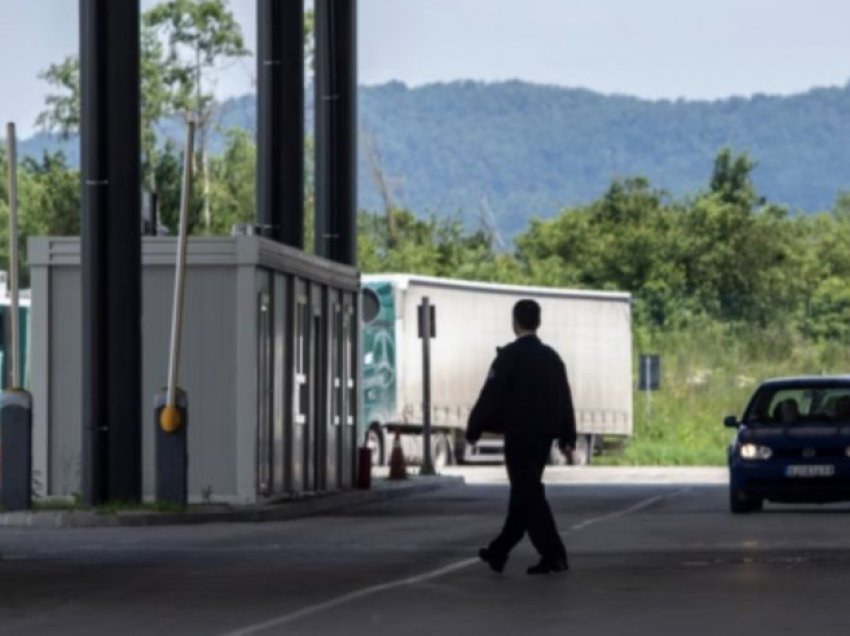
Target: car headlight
<point>755,451</point>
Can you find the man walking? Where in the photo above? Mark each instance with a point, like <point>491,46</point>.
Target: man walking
<point>527,398</point>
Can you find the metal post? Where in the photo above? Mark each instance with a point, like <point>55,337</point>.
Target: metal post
<point>280,120</point>
<point>323,107</point>
<point>180,270</point>
<point>15,359</point>
<point>425,312</point>
<point>111,250</point>
<point>336,130</point>
<point>15,403</point>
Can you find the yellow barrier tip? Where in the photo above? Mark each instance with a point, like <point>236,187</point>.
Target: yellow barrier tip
<point>169,419</point>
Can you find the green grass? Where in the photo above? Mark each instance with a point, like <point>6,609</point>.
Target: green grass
<point>708,373</point>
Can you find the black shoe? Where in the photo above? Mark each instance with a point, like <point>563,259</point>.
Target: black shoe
<point>547,566</point>
<point>496,563</point>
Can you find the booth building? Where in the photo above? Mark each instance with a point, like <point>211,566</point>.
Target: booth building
<point>268,362</point>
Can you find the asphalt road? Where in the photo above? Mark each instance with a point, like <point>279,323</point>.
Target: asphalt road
<point>651,553</point>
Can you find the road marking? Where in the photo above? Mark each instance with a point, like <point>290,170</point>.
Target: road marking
<point>313,609</point>
<point>646,503</point>
<point>433,574</point>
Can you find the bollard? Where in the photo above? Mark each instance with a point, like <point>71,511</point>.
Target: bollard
<point>172,453</point>
<point>16,450</point>
<point>364,467</point>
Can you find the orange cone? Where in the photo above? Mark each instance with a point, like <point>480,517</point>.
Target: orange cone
<point>398,470</point>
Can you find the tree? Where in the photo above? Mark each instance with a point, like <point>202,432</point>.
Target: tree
<point>233,186</point>
<point>168,173</point>
<point>62,113</point>
<point>718,255</point>
<point>181,42</point>
<point>627,240</point>
<point>430,246</point>
<point>309,41</point>
<point>731,179</point>
<point>49,203</point>
<point>828,316</point>
<point>52,194</point>
<point>159,93</point>
<point>200,34</point>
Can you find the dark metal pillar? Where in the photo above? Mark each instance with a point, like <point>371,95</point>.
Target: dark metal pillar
<point>111,250</point>
<point>336,130</point>
<point>280,120</point>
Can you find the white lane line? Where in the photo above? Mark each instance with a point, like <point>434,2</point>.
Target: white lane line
<point>646,503</point>
<point>459,565</point>
<point>313,609</point>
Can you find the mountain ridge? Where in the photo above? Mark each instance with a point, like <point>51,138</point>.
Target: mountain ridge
<point>503,152</point>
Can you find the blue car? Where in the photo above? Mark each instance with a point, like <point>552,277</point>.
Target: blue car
<point>792,444</point>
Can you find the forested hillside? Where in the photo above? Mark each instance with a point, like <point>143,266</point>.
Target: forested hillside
<point>534,149</point>
<point>510,151</point>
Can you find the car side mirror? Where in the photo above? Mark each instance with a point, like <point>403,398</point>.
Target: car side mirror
<point>730,421</point>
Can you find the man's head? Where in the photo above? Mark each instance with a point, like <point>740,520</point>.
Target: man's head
<point>526,316</point>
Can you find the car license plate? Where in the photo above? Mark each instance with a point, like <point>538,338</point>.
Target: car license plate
<point>820,470</point>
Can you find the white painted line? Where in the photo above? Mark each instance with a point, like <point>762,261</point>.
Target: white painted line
<point>433,574</point>
<point>646,503</point>
<point>313,609</point>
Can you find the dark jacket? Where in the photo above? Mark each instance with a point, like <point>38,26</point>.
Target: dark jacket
<point>526,392</point>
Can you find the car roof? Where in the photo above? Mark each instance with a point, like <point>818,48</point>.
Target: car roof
<point>807,380</point>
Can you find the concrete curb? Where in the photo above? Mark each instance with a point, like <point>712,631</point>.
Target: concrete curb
<point>280,511</point>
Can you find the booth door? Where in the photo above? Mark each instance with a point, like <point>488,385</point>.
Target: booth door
<point>333,420</point>
<point>317,368</point>
<point>282,372</point>
<point>298,445</point>
<point>348,393</point>
<point>265,397</point>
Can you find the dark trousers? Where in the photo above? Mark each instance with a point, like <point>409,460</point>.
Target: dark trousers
<point>528,510</point>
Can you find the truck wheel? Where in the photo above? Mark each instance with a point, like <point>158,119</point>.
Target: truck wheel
<point>442,452</point>
<point>375,443</point>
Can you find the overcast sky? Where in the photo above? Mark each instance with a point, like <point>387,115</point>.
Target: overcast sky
<point>696,49</point>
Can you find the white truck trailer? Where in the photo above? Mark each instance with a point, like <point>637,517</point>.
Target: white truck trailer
<point>590,330</point>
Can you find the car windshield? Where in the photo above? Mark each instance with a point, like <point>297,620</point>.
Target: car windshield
<point>800,404</point>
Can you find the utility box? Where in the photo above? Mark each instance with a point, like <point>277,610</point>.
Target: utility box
<point>268,361</point>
